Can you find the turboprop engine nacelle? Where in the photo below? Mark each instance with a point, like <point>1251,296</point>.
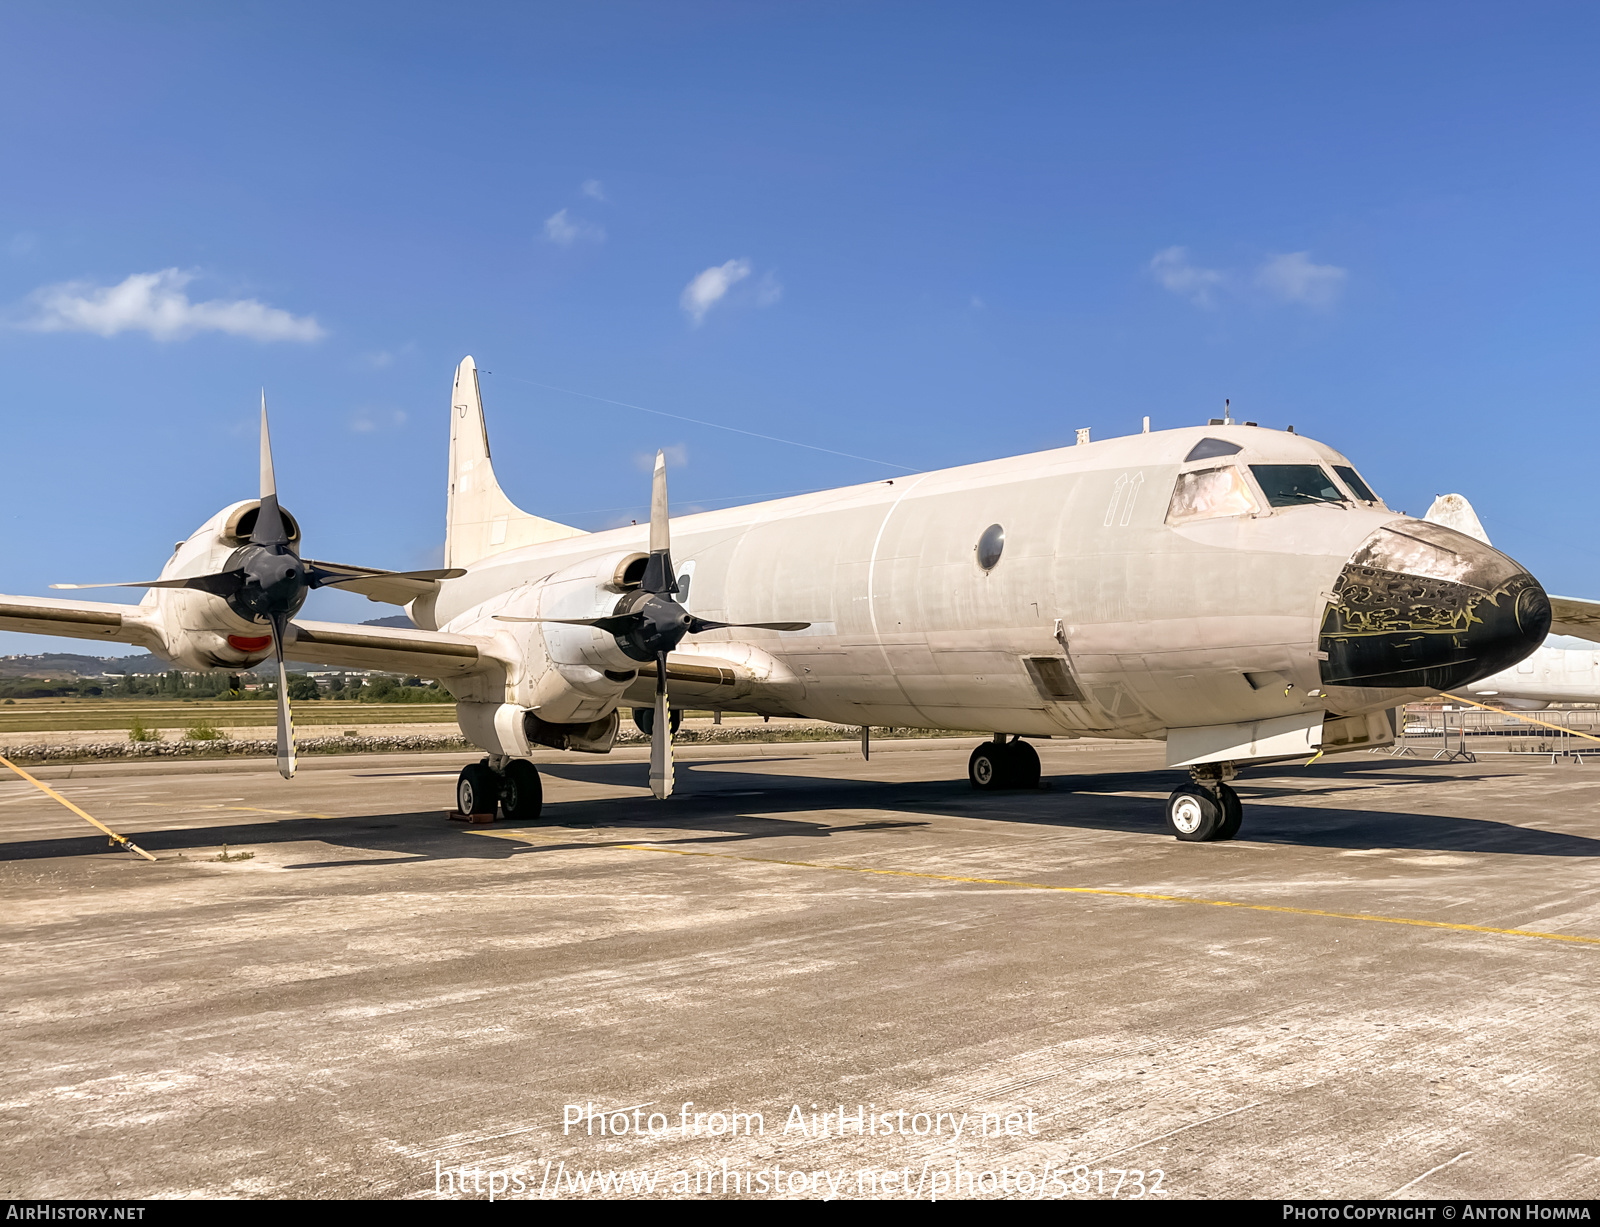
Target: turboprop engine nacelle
<point>568,676</point>
<point>198,629</point>
<point>588,671</point>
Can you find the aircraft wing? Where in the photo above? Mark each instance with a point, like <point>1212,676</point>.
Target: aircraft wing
<point>1570,615</point>
<point>430,653</point>
<point>41,615</point>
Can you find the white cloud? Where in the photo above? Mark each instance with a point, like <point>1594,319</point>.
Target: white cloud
<point>594,189</point>
<point>713,285</point>
<point>677,455</point>
<point>23,244</point>
<point>1293,278</point>
<point>564,231</point>
<point>1172,269</point>
<point>378,359</point>
<point>368,421</point>
<point>708,289</point>
<point>155,303</point>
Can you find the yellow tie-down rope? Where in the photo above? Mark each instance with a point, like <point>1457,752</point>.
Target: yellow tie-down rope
<point>1515,715</point>
<point>51,792</point>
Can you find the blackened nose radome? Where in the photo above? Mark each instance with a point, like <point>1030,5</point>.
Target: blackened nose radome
<point>1423,607</point>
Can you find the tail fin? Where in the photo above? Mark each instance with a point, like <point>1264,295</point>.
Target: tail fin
<point>480,519</point>
<point>1453,511</point>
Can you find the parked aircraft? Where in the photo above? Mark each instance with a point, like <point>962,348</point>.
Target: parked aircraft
<point>1237,591</point>
<point>1566,672</point>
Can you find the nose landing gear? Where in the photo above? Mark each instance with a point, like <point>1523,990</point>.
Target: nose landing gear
<point>1004,764</point>
<point>515,788</point>
<point>1206,810</point>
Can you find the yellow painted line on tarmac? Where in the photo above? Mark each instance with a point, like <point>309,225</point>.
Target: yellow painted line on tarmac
<point>291,813</point>
<point>1121,894</point>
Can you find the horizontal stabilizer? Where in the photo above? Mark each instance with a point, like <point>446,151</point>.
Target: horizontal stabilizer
<point>392,587</point>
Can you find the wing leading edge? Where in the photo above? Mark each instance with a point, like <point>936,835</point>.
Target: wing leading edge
<point>1570,615</point>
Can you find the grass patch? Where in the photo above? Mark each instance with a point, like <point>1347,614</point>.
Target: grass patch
<point>138,732</point>
<point>235,856</point>
<point>202,730</point>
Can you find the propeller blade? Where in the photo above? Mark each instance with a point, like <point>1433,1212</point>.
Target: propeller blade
<point>661,736</point>
<point>286,755</point>
<point>659,538</point>
<point>269,520</point>
<point>658,573</point>
<point>321,577</point>
<point>697,625</point>
<point>222,583</point>
<point>619,625</point>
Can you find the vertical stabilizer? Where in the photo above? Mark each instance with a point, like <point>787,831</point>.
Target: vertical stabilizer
<point>480,520</point>
<point>1453,511</point>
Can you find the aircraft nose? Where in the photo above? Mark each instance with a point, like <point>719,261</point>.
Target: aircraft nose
<point>1423,607</point>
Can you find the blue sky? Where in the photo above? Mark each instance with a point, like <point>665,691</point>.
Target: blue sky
<point>926,234</point>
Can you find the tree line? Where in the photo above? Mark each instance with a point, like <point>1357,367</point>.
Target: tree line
<point>227,687</point>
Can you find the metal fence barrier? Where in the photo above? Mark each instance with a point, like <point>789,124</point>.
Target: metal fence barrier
<point>1463,735</point>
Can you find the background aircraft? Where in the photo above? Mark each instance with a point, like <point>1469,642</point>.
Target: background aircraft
<point>1237,591</point>
<point>1567,671</point>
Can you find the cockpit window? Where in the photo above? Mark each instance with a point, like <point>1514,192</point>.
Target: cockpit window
<point>1293,485</point>
<point>1358,487</point>
<point>1208,493</point>
<point>1209,447</point>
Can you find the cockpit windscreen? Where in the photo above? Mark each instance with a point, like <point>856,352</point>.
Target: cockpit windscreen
<point>1294,485</point>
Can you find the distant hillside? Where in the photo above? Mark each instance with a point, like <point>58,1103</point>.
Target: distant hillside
<point>71,665</point>
<point>67,664</point>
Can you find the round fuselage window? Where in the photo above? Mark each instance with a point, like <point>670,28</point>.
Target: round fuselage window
<point>990,546</point>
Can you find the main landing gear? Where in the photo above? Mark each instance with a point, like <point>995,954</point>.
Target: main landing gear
<point>1004,764</point>
<point>644,719</point>
<point>515,787</point>
<point>1207,809</point>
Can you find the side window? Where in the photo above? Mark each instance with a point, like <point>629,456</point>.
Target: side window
<point>1210,493</point>
<point>1359,488</point>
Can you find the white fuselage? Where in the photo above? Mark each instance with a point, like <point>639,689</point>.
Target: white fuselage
<point>1208,622</point>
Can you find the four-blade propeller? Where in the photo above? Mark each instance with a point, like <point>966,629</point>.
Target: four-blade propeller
<point>266,580</point>
<point>649,623</point>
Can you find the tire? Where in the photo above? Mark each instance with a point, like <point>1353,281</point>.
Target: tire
<point>1193,814</point>
<point>1232,813</point>
<point>990,767</point>
<point>644,719</point>
<point>1024,765</point>
<point>477,790</point>
<point>521,791</point>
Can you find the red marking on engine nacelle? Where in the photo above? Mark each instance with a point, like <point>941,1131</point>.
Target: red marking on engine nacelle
<point>249,643</point>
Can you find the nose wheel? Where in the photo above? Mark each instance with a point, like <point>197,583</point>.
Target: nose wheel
<point>1204,811</point>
